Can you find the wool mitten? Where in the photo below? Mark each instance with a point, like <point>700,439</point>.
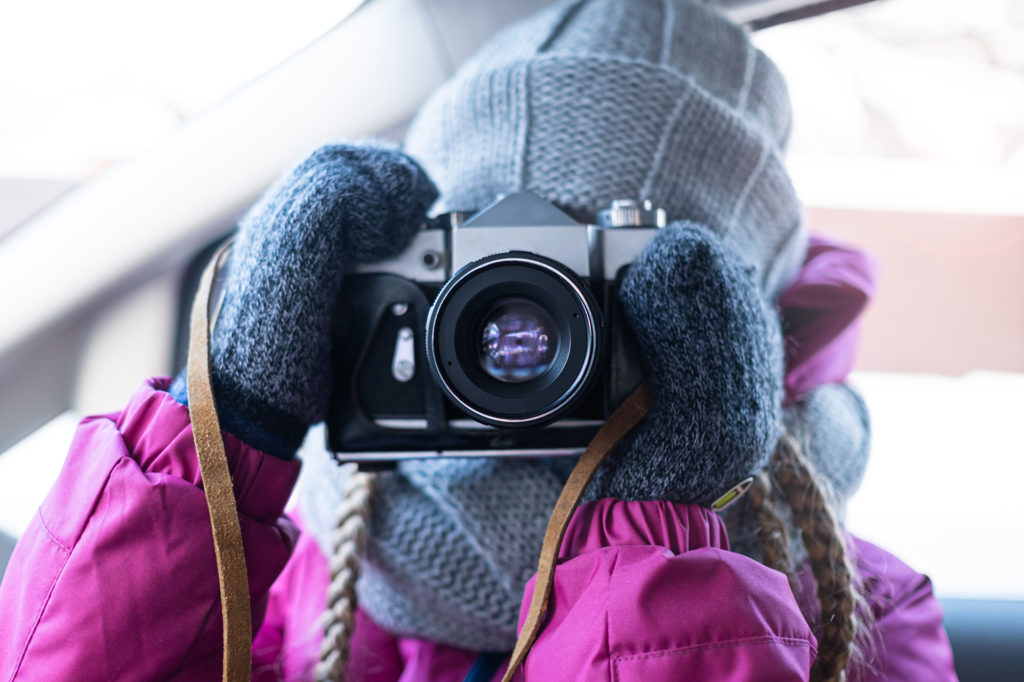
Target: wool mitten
<point>713,353</point>
<point>270,350</point>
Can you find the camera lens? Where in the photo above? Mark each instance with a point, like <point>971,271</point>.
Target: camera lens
<point>514,339</point>
<point>518,341</point>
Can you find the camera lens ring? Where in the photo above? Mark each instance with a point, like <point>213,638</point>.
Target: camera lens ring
<point>471,295</point>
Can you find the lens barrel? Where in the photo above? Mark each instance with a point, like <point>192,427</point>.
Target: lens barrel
<point>514,339</point>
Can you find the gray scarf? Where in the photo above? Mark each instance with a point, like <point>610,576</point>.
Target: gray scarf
<point>452,542</point>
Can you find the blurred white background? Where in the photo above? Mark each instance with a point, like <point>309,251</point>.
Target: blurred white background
<point>86,84</point>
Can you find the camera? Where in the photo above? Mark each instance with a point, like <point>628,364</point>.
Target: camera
<point>497,333</point>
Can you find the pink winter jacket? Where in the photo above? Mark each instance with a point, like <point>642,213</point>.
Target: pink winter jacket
<point>115,579</point>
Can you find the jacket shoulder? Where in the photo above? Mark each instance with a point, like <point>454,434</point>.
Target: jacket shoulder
<point>906,639</point>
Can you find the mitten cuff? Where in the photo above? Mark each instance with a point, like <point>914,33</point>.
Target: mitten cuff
<point>252,420</point>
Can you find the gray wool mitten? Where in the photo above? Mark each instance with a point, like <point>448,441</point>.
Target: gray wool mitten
<point>271,345</point>
<point>713,353</point>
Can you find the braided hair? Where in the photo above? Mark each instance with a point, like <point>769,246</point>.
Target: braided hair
<point>350,535</point>
<point>789,480</point>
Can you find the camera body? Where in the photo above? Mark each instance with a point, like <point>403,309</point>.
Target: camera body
<point>495,334</point>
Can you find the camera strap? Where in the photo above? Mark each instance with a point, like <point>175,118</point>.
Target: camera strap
<point>220,496</point>
<point>614,429</point>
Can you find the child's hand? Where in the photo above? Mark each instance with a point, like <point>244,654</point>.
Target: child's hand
<point>713,352</point>
<point>271,345</point>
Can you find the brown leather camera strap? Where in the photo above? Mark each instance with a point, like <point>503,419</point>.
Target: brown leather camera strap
<point>614,430</point>
<point>220,497</point>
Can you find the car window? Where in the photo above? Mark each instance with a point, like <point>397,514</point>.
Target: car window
<point>107,80</point>
<point>909,141</point>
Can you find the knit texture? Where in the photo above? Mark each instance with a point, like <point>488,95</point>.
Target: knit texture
<point>451,548</point>
<point>650,99</point>
<point>833,427</point>
<point>714,355</point>
<point>270,350</point>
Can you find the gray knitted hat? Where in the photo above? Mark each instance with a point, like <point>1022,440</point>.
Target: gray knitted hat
<point>646,99</point>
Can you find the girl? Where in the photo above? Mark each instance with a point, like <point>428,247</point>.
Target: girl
<point>583,103</point>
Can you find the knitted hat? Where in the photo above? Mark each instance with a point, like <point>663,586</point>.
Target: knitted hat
<point>648,99</point>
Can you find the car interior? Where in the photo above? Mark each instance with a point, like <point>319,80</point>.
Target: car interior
<point>97,271</point>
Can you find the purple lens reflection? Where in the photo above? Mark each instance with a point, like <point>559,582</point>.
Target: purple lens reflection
<point>518,341</point>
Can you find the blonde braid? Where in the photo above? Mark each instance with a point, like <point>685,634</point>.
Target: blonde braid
<point>771,529</point>
<point>827,555</point>
<point>350,535</point>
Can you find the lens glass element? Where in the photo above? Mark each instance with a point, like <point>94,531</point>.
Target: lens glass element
<point>518,341</point>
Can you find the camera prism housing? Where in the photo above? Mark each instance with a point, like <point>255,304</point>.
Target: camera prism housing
<point>496,334</point>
